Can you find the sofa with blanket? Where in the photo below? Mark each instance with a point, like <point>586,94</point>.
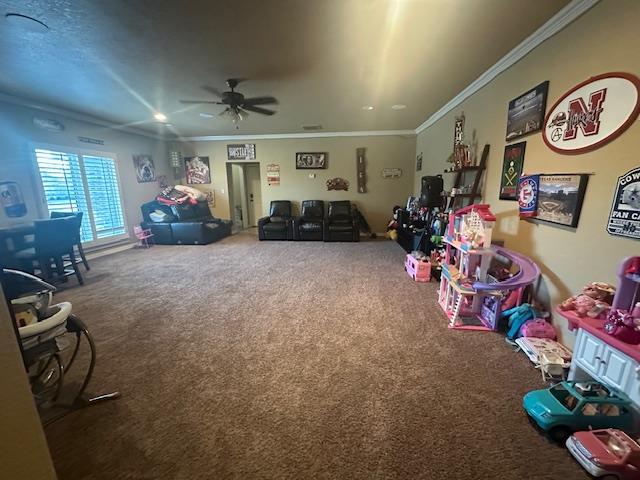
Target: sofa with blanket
<point>185,224</point>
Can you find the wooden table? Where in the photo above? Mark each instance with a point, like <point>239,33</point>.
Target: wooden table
<point>12,239</point>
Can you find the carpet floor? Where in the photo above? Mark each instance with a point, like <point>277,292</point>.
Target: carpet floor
<point>280,360</point>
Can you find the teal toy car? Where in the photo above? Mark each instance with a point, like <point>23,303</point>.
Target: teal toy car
<point>573,406</point>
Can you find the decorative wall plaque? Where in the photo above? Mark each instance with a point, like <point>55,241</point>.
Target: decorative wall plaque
<point>337,184</point>
<point>362,173</point>
<point>592,113</point>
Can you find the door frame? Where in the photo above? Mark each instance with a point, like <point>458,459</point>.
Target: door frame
<point>251,205</point>
<point>231,190</point>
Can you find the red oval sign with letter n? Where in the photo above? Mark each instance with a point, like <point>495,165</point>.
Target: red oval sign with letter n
<point>592,113</point>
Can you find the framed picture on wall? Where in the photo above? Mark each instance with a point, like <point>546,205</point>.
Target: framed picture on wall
<point>311,160</point>
<point>145,169</point>
<point>560,198</point>
<point>197,170</point>
<point>526,113</point>
<point>511,170</point>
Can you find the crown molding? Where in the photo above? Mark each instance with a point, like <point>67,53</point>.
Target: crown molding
<point>560,20</point>
<point>278,136</point>
<point>73,115</point>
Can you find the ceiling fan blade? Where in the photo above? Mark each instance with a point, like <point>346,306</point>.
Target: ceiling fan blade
<point>263,111</point>
<point>212,90</point>
<point>200,101</point>
<point>268,100</point>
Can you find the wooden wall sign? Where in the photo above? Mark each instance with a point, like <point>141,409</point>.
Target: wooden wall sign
<point>362,173</point>
<point>592,113</point>
<point>391,172</point>
<point>242,151</point>
<point>624,219</point>
<point>337,184</point>
<point>273,174</point>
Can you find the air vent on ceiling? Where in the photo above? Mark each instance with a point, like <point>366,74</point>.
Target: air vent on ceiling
<point>310,128</point>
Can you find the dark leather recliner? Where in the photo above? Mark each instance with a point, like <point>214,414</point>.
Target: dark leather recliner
<point>340,224</point>
<point>310,224</point>
<point>185,224</point>
<point>279,224</point>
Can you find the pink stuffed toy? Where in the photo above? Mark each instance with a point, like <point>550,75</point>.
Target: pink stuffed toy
<point>592,302</point>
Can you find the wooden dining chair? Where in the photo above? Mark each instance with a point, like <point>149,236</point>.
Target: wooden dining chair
<point>78,243</point>
<point>54,243</point>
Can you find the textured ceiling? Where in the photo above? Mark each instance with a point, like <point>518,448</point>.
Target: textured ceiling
<point>323,59</point>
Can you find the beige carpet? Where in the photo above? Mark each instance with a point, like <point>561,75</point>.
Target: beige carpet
<point>280,360</point>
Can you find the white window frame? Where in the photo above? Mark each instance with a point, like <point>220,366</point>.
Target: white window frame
<point>43,209</point>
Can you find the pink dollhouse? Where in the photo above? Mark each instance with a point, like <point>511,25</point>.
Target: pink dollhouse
<point>472,298</point>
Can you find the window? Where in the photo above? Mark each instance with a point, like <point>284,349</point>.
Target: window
<point>73,182</point>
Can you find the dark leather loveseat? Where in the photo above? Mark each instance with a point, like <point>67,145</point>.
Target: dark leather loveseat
<point>309,226</point>
<point>185,224</point>
<point>340,224</point>
<point>279,224</point>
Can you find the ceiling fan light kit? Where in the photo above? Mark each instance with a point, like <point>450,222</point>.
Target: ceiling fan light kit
<point>238,106</point>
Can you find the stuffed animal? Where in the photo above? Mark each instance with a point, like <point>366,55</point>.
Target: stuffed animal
<point>594,301</point>
<point>600,291</point>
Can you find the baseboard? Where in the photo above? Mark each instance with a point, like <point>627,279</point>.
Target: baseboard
<point>109,249</point>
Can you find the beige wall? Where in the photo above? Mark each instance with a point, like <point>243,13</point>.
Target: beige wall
<point>18,134</point>
<point>605,39</point>
<point>376,204</point>
<point>23,449</point>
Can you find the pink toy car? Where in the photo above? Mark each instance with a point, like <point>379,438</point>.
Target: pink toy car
<point>608,453</point>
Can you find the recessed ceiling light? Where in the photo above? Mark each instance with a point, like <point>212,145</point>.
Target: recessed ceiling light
<point>26,22</point>
<point>161,117</point>
<point>207,115</point>
<point>368,107</point>
<point>398,106</point>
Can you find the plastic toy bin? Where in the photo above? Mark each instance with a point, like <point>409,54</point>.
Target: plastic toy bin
<point>419,270</point>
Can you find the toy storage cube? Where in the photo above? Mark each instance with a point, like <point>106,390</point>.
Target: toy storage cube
<point>419,270</point>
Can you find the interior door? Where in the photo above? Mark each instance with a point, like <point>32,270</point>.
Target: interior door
<point>254,193</point>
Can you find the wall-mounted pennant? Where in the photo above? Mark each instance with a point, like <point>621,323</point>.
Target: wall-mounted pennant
<point>528,195</point>
<point>624,219</point>
<point>592,113</point>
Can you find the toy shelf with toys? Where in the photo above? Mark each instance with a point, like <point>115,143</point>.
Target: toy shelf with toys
<point>477,283</point>
<point>617,324</point>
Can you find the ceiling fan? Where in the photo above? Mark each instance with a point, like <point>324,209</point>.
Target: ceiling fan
<point>238,107</point>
